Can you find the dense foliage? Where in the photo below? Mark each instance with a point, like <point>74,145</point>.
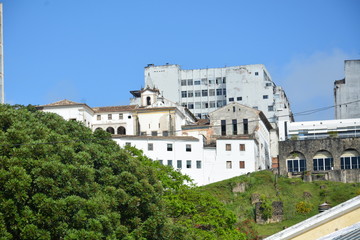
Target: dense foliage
<point>58,180</point>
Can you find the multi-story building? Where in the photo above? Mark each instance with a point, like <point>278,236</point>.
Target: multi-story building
<point>205,90</point>
<point>347,92</point>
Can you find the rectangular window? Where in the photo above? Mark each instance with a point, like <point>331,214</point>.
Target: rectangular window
<point>212,104</point>
<point>223,127</point>
<point>109,116</point>
<point>228,164</point>
<point>188,147</point>
<point>179,164</point>
<point>242,164</point>
<point>219,103</point>
<point>234,125</point>
<point>197,105</point>
<point>231,99</point>
<point>255,107</point>
<point>242,147</point>
<point>184,104</point>
<point>245,126</point>
<point>169,162</point>
<point>121,116</point>
<point>211,92</point>
<point>197,82</point>
<point>150,146</point>
<point>154,133</point>
<point>211,81</point>
<point>239,98</point>
<point>183,94</point>
<point>218,80</point>
<point>205,105</point>
<point>228,147</point>
<point>142,133</point>
<point>268,84</point>
<point>128,144</point>
<point>256,73</point>
<point>161,162</point>
<point>224,80</point>
<point>204,93</point>
<point>204,81</point>
<point>98,117</point>
<point>265,96</point>
<point>190,94</point>
<point>197,93</point>
<point>218,92</point>
<point>169,147</point>
<point>188,163</point>
<point>224,91</point>
<point>165,133</point>
<point>190,82</point>
<point>191,105</point>
<point>183,82</point>
<point>270,108</point>
<point>198,164</point>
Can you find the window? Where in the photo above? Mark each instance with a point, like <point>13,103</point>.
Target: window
<point>268,84</point>
<point>191,105</point>
<point>198,164</point>
<point>224,91</point>
<point>197,93</point>
<point>228,147</point>
<point>161,162</point>
<point>183,94</point>
<point>212,104</point>
<point>224,80</point>
<point>270,108</point>
<point>188,147</point>
<point>204,81</point>
<point>110,130</point>
<point>218,80</point>
<point>204,93</point>
<point>165,133</point>
<point>242,147</point>
<point>73,119</point>
<point>179,164</point>
<point>256,73</point>
<point>98,117</point>
<point>218,92</point>
<point>255,107</point>
<point>245,126</point>
<point>188,163</point>
<point>121,116</point>
<point>296,165</point>
<point>189,82</point>
<point>154,133</point>
<point>197,105</point>
<point>211,92</point>
<point>350,162</point>
<point>231,99</point>
<point>169,162</point>
<point>184,104</point>
<point>148,101</point>
<point>197,82</point>
<point>265,96</point>
<point>228,164</point>
<point>150,146</point>
<point>127,144</point>
<point>219,103</point>
<point>121,130</point>
<point>223,127</point>
<point>211,81</point>
<point>142,133</point>
<point>169,147</point>
<point>241,164</point>
<point>205,105</point>
<point>129,117</point>
<point>234,125</point>
<point>239,98</point>
<point>321,164</point>
<point>183,82</point>
<point>190,94</point>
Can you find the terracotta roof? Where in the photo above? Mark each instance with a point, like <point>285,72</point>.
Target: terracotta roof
<point>122,108</point>
<point>64,102</point>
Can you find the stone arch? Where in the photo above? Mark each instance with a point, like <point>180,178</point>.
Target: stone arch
<point>121,130</point>
<point>296,162</point>
<point>110,130</point>
<point>350,159</point>
<point>323,161</point>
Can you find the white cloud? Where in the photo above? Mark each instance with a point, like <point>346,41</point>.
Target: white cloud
<point>309,80</point>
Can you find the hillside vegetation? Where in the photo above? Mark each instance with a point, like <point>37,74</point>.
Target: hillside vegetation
<point>300,199</point>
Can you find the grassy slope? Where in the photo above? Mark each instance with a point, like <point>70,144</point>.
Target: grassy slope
<point>290,191</point>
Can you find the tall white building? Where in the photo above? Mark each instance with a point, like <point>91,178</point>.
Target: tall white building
<point>347,92</point>
<point>204,90</point>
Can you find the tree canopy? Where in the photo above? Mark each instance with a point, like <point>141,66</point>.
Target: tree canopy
<point>59,180</point>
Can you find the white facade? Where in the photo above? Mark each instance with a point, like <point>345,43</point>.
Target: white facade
<point>319,129</point>
<point>347,92</point>
<point>204,90</point>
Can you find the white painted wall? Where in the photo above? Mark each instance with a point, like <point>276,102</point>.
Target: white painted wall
<point>73,112</point>
<point>115,122</point>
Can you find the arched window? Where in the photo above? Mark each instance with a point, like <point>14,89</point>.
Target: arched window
<point>148,101</point>
<point>296,162</point>
<point>323,161</point>
<point>350,159</point>
<point>121,131</point>
<point>99,128</point>
<point>110,130</point>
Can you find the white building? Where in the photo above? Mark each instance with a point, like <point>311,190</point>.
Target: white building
<point>347,92</point>
<point>204,90</point>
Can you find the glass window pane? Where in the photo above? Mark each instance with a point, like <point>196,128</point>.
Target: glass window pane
<point>327,163</point>
<point>342,163</point>
<point>296,165</point>
<point>290,167</point>
<point>315,163</point>
<point>354,163</point>
<point>347,162</point>
<point>321,164</point>
<point>302,165</point>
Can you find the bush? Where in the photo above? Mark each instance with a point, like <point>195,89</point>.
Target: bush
<point>303,207</point>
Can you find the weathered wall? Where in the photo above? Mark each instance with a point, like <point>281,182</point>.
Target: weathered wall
<point>309,147</point>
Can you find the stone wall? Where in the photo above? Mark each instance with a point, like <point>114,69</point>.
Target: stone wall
<point>277,213</point>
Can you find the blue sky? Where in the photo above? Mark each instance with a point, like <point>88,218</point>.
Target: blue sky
<point>95,51</point>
